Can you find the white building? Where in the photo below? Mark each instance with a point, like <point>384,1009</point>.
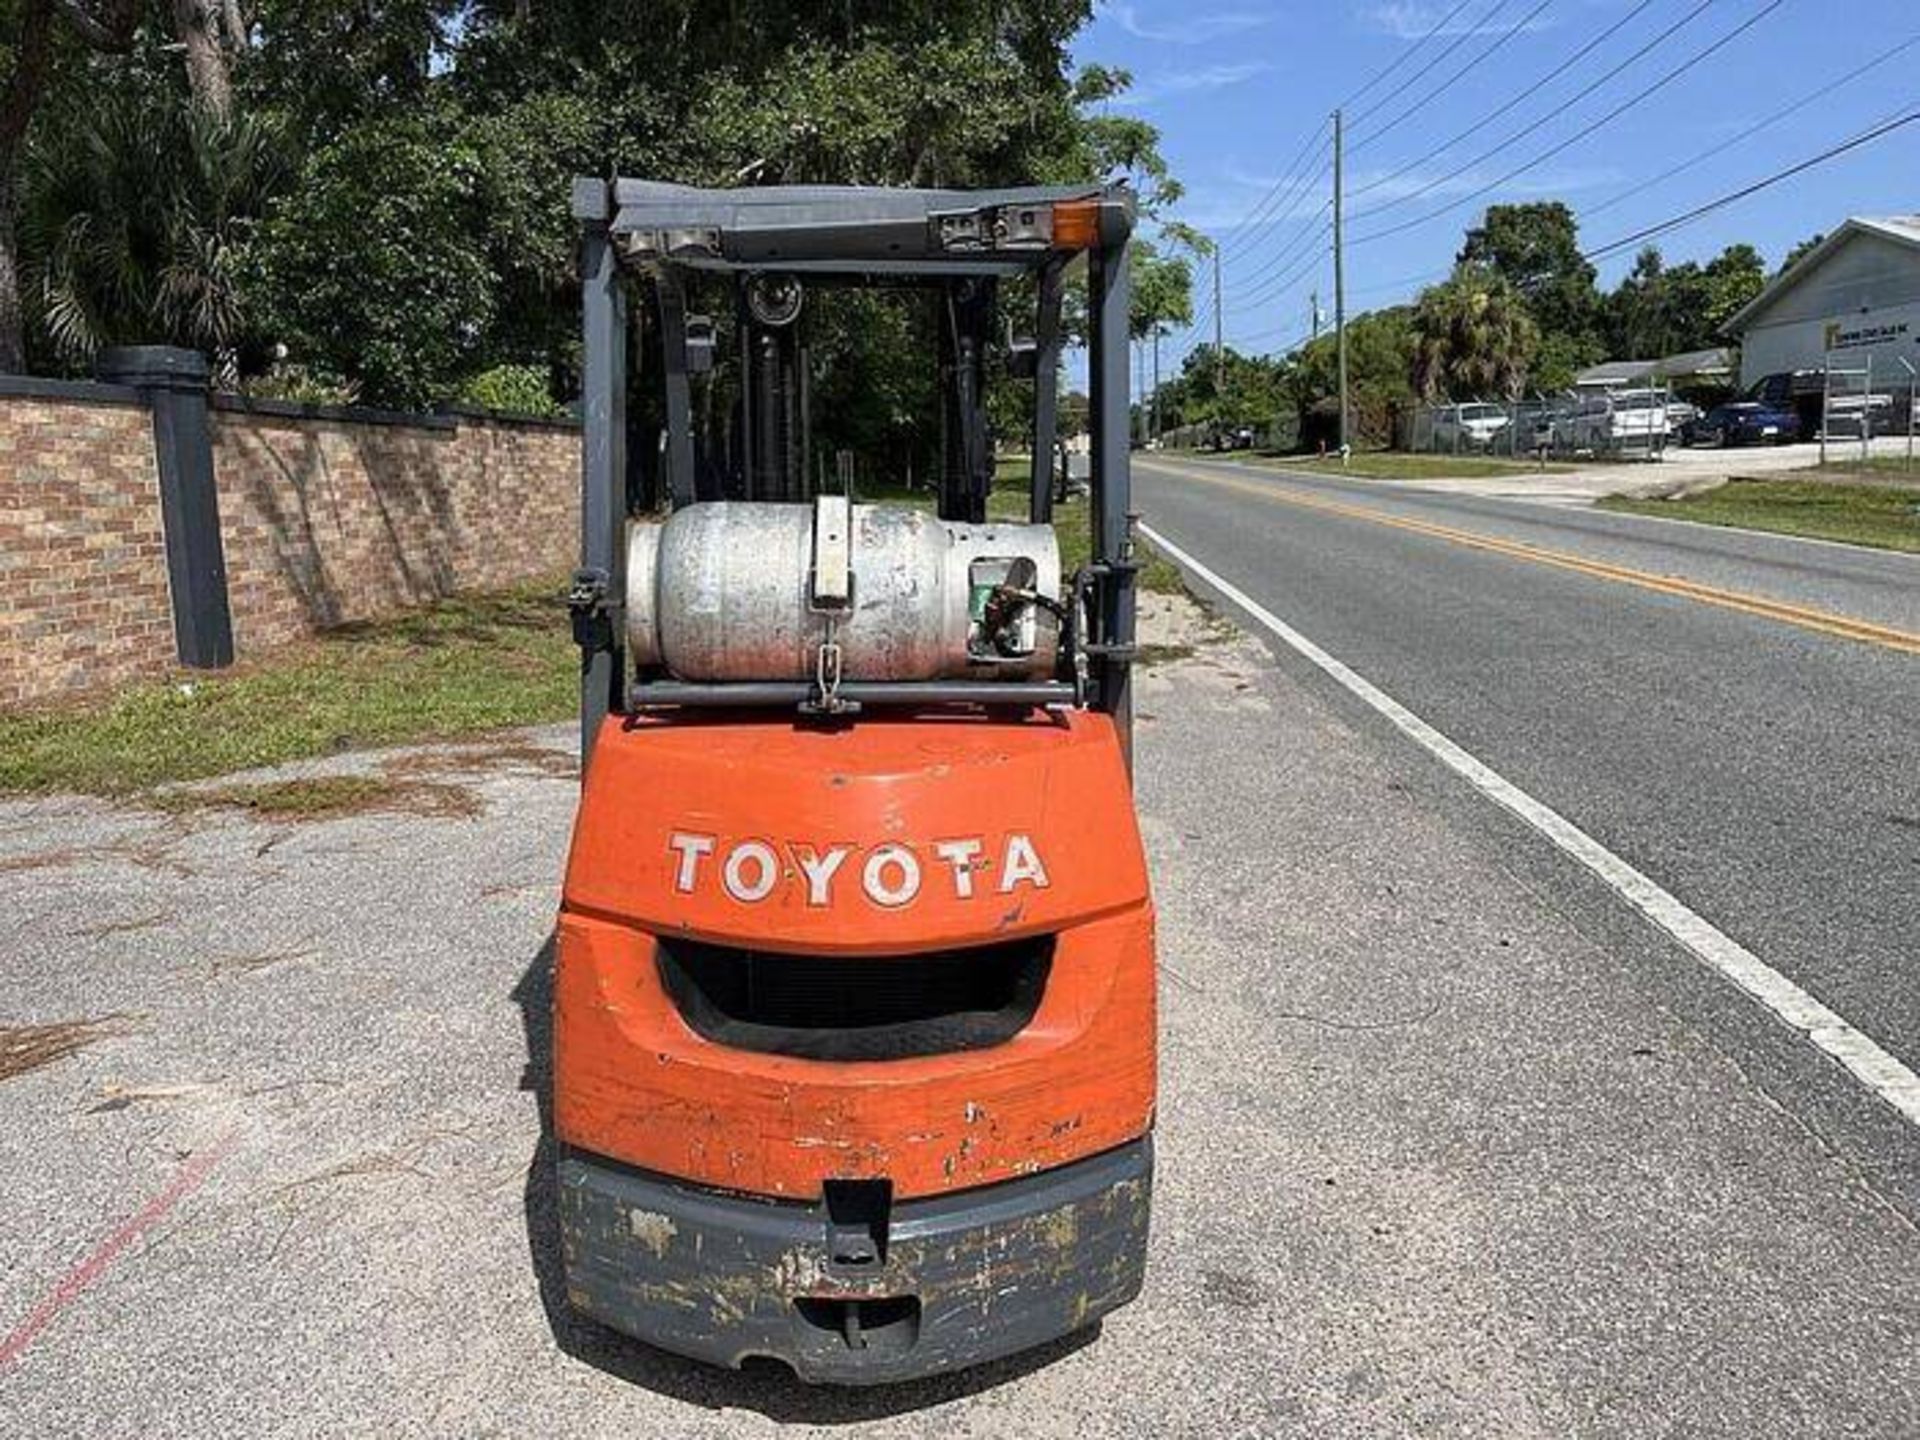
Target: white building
<point>1854,297</point>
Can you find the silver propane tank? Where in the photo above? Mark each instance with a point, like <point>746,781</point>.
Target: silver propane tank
<point>743,590</point>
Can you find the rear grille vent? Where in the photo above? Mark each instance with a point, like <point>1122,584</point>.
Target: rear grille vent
<point>856,1008</point>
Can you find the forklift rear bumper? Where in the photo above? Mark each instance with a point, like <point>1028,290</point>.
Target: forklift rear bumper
<point>857,1296</point>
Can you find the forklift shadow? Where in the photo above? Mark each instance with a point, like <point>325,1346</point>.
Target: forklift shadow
<point>766,1387</point>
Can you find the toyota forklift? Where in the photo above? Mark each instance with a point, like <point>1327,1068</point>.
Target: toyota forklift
<point>854,1050</point>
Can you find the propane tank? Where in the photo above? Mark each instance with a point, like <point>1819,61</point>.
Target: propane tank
<point>743,590</point>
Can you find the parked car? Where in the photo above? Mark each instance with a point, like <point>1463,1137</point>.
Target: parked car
<point>1744,422</point>
<point>1843,412</point>
<point>1473,426</point>
<point>1618,420</point>
<point>1798,391</point>
<point>1549,428</point>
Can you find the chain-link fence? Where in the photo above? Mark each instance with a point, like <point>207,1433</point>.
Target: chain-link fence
<point>1859,404</point>
<point>1614,425</point>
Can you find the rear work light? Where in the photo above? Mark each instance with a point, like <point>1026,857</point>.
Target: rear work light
<point>1068,225</point>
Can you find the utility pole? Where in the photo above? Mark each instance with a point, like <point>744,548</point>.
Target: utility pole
<point>1140,388</point>
<point>1340,266</point>
<point>1219,346</point>
<point>1153,435</point>
<point>1316,314</point>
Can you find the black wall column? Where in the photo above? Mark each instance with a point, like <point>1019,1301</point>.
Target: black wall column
<point>173,382</point>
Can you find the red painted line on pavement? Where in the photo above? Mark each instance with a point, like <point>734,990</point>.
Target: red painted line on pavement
<point>184,1183</point>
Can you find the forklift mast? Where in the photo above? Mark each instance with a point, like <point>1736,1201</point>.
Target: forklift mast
<point>775,244</point>
<point>854,988</point>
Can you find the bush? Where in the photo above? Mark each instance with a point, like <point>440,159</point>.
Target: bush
<point>302,385</point>
<point>518,389</point>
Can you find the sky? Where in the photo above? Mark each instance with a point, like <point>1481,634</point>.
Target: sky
<point>1436,95</point>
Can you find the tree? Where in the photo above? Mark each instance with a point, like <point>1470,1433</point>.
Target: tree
<point>427,235</point>
<point>1663,310</point>
<point>1732,280</point>
<point>137,215</point>
<point>374,264</point>
<point>1536,248</point>
<point>1379,362</point>
<point>1254,393</point>
<point>1473,338</point>
<point>1801,251</point>
<point>1162,291</point>
<point>1639,308</point>
<point>207,31</point>
<point>38,38</point>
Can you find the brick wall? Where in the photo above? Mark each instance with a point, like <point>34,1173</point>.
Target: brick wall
<point>83,570</point>
<point>327,521</point>
<point>325,518</point>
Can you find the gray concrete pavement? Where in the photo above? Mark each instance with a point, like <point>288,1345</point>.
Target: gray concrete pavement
<point>1443,1150</point>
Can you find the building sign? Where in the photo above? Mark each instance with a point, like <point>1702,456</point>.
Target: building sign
<point>1894,329</point>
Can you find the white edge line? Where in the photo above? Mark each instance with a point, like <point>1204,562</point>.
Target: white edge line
<point>1872,1066</point>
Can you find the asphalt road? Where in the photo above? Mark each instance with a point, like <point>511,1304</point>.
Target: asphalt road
<point>1762,768</point>
<point>1448,1145</point>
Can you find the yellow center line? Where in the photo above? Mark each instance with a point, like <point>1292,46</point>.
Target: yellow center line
<point>1827,622</point>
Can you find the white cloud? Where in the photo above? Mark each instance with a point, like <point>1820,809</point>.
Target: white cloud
<point>1184,30</point>
<point>1189,82</point>
<point>1367,193</point>
<point>1417,19</point>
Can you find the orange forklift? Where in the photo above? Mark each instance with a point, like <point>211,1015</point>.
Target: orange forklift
<point>854,1041</point>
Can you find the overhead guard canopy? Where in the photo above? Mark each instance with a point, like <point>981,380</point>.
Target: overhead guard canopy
<point>857,229</point>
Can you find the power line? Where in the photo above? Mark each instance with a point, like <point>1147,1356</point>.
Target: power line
<point>1315,226</point>
<point>1877,131</point>
<point>1287,177</point>
<point>1667,79</point>
<point>1299,340</point>
<point>1521,134</point>
<point>1867,137</point>
<point>1287,255</point>
<point>1426,278</point>
<point>1293,201</point>
<point>1465,34</point>
<point>1300,269</point>
<point>1295,187</point>
<point>1545,80</point>
<point>1407,54</point>
<point>1516,28</point>
<point>1775,118</point>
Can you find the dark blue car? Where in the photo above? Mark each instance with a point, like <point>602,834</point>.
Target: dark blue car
<point>1745,422</point>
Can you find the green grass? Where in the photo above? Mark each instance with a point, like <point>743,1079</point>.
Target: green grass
<point>1393,465</point>
<point>1880,516</point>
<point>465,666</point>
<point>1891,467</point>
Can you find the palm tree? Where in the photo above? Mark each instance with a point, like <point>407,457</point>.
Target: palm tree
<point>1473,338</point>
<point>136,215</point>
